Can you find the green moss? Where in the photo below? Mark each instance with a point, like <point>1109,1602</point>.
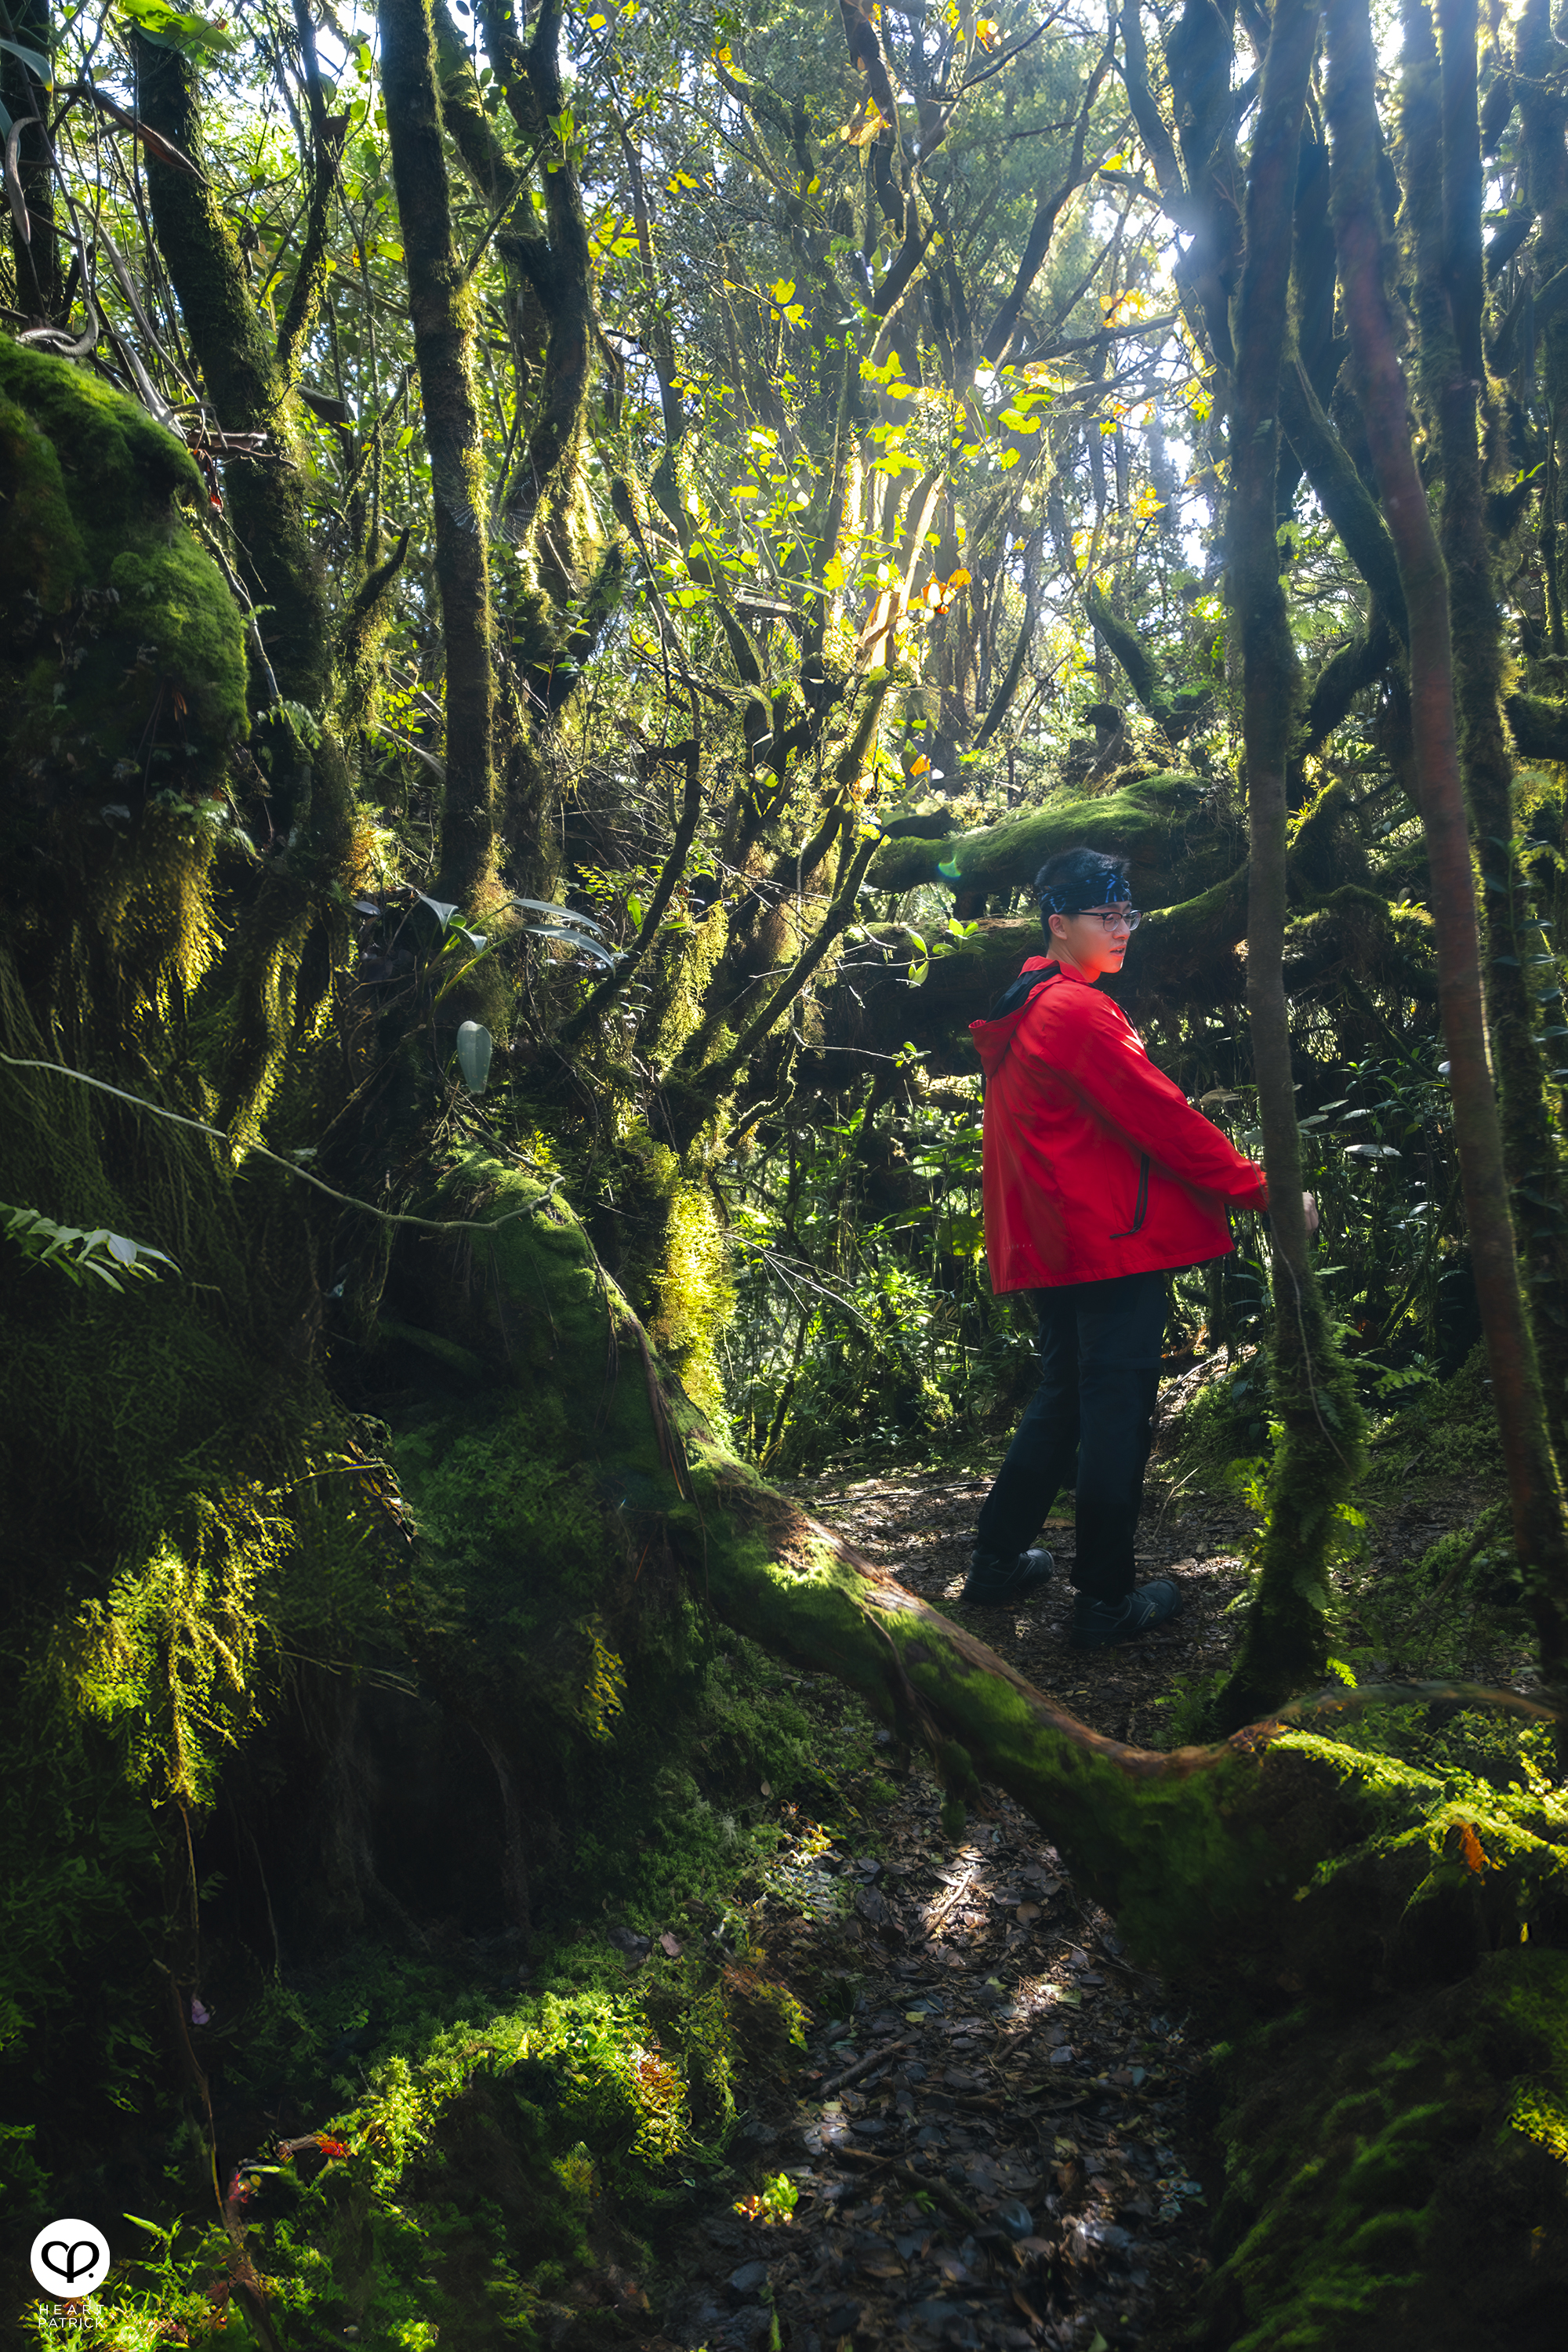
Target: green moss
<point>123,653</point>
<point>696,1298</point>
<point>1140,821</point>
<point>1404,2180</point>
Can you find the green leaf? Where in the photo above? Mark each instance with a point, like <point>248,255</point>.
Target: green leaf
<point>36,64</point>
<point>168,29</point>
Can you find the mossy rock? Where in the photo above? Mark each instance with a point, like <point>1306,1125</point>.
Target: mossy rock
<point>123,663</point>
<point>1402,2181</point>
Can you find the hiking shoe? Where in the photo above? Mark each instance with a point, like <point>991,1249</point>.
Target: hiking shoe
<point>994,1583</point>
<point>1096,1624</point>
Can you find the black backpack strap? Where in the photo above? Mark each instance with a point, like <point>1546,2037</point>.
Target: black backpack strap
<point>1013,999</point>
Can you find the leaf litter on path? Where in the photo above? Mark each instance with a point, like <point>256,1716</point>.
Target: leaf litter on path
<point>987,2133</point>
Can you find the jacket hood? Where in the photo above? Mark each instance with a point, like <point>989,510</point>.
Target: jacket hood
<point>994,1035</point>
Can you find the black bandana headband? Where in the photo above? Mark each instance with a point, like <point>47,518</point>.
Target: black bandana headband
<point>1068,898</point>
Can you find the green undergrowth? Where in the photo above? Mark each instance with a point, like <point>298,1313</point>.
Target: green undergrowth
<point>486,2140</point>
<point>489,2157</point>
<point>1432,1429</point>
<point>1399,2176</point>
<point>1418,1426</point>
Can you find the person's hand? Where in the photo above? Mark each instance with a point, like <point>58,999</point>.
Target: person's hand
<point>1310,1206</point>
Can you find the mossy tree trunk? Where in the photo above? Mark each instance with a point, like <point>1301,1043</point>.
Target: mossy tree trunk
<point>248,390</point>
<point>1442,129</point>
<point>1539,1534</point>
<point>310,805</point>
<point>1314,1467</point>
<point>440,306</point>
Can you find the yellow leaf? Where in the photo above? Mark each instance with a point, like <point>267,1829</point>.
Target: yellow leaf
<point>918,767</point>
<point>959,579</point>
<point>782,289</point>
<point>597,24</point>
<point>833,573</point>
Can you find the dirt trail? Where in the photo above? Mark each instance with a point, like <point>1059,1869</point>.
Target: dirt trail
<point>988,2137</point>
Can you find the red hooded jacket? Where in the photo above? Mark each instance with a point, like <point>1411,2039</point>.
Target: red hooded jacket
<point>1096,1164</point>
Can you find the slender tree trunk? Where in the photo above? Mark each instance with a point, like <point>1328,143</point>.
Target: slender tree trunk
<point>441,309</point>
<point>1533,1485</point>
<point>1442,131</point>
<point>1285,1643</point>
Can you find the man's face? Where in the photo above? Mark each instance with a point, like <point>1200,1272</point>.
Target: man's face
<point>1093,943</point>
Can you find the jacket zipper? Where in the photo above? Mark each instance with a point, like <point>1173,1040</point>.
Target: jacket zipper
<point>1142,1209</point>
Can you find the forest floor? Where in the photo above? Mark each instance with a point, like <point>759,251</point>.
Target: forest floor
<point>991,2144</point>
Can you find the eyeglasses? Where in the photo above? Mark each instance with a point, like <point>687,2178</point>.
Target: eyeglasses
<point>1112,919</point>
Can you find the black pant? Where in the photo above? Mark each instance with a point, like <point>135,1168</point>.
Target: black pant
<point>1089,1424</point>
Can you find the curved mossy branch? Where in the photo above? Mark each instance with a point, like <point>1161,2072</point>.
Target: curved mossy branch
<point>1199,61</point>
<point>692,1093</point>
<point>497,177</point>
<point>1185,955</point>
<point>1002,700</point>
<point>359,635</point>
<point>1130,650</point>
<point>312,788</point>
<point>1347,673</point>
<point>441,310</point>
<point>1158,145</point>
<point>1144,821</point>
<point>247,389</point>
<point>1284,1643</point>
<point>1189,1849</point>
<point>1534,1486</point>
<point>1340,493</point>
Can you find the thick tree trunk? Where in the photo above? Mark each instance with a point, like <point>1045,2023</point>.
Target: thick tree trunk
<point>1533,1484</point>
<point>1285,1643</point>
<point>441,309</point>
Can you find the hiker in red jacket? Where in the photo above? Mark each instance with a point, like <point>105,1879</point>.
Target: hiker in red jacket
<point>1101,1178</point>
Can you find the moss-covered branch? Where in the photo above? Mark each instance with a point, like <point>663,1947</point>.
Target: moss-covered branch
<point>1144,822</point>
<point>1200,1853</point>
